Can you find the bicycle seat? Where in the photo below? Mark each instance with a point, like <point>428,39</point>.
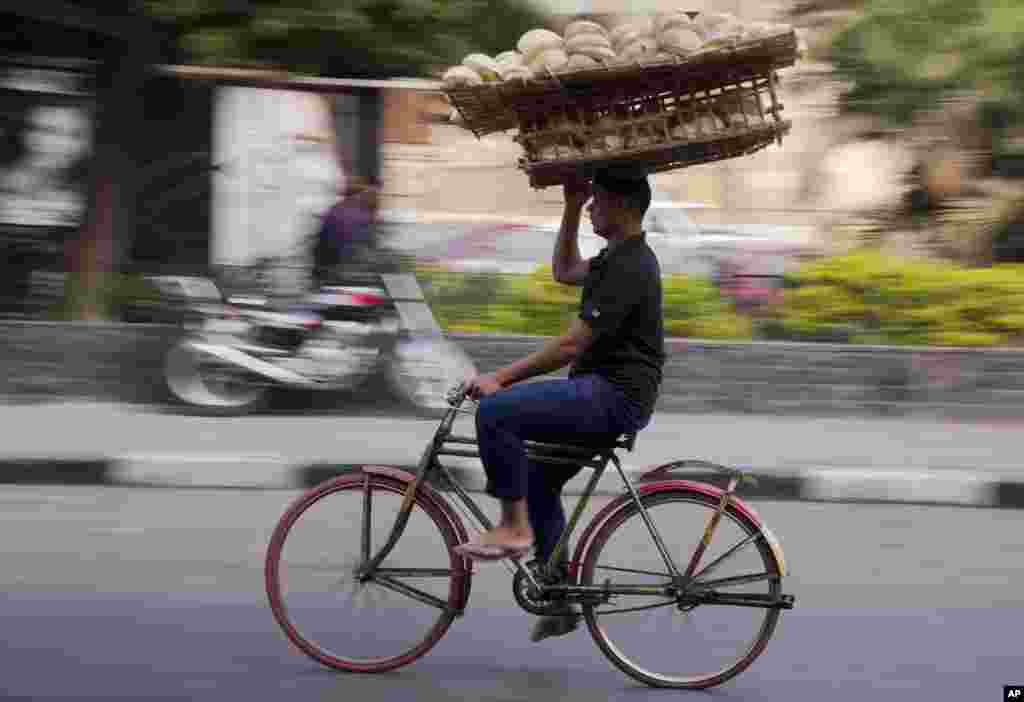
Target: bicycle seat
<point>626,441</point>
<point>580,450</point>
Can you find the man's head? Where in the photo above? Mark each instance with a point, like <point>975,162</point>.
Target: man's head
<point>621,199</point>
<point>361,191</point>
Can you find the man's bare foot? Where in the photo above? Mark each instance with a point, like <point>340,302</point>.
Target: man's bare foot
<point>507,537</point>
<point>500,542</point>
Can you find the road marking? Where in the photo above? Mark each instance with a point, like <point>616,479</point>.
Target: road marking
<point>939,486</point>
<point>203,457</point>
<point>204,470</point>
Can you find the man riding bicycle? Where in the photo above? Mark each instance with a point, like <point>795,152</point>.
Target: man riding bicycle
<point>616,351</point>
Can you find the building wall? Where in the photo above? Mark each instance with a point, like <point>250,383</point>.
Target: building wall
<point>404,117</point>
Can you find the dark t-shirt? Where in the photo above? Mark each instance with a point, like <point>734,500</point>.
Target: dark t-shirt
<point>621,301</point>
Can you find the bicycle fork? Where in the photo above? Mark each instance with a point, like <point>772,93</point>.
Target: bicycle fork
<point>369,565</point>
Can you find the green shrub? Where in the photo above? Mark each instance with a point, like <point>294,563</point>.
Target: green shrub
<point>862,297</point>
<point>535,304</point>
<point>549,307</point>
<point>891,300</point>
<point>693,307</point>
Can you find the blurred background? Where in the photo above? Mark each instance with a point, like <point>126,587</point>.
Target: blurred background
<point>845,313</point>
<point>150,149</point>
<point>168,162</point>
<point>209,139</point>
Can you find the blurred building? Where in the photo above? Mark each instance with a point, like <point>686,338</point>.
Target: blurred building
<point>115,159</point>
<point>177,169</point>
<point>820,174</point>
<point>283,147</point>
<point>69,94</point>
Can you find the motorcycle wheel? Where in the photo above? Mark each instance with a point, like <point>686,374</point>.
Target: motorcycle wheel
<point>211,388</point>
<point>421,371</point>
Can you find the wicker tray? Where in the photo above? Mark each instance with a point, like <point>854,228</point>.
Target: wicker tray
<point>499,106</point>
<point>666,157</point>
<point>664,128</point>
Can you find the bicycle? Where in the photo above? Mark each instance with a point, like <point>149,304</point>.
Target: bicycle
<point>432,574</point>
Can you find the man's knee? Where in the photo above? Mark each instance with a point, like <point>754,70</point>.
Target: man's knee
<point>494,409</point>
<point>487,413</point>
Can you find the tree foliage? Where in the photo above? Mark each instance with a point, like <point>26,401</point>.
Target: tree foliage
<point>901,57</point>
<point>355,38</point>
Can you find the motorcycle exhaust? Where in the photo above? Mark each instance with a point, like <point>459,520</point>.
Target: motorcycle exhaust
<point>251,363</point>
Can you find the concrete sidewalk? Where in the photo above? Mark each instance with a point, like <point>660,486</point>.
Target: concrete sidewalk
<point>815,459</point>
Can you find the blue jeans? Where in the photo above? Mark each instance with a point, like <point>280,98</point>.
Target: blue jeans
<point>586,410</point>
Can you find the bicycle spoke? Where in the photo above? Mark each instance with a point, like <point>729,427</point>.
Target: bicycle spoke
<point>402,588</point>
<point>719,624</point>
<point>721,559</point>
<point>337,611</point>
<point>602,612</point>
<point>346,580</point>
<point>324,568</point>
<point>414,572</point>
<point>634,571</point>
<point>367,507</point>
<point>356,594</point>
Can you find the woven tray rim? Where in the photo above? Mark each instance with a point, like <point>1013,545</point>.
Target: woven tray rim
<point>762,135</point>
<point>496,99</point>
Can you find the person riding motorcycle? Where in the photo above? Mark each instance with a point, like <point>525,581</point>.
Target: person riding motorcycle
<point>347,237</point>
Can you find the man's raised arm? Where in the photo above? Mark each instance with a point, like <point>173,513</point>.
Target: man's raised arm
<point>567,265</point>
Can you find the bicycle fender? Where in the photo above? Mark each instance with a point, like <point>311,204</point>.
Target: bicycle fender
<point>431,494</point>
<point>673,485</point>
<point>402,475</point>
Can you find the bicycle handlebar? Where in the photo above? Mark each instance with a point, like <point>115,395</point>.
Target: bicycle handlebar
<point>456,395</point>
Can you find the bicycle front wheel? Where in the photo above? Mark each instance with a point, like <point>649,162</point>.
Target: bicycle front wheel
<point>657,639</point>
<point>364,625</point>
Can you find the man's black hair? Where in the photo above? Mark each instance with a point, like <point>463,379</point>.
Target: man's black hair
<point>631,184</point>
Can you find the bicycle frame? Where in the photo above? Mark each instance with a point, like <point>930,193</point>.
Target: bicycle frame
<point>598,460</point>
<point>429,466</point>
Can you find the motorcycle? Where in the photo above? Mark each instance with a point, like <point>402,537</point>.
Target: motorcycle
<point>336,339</point>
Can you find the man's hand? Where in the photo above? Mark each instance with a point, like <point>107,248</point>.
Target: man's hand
<point>482,385</point>
<point>577,191</point>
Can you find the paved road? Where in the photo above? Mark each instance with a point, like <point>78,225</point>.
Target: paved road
<point>358,434</point>
<point>126,593</point>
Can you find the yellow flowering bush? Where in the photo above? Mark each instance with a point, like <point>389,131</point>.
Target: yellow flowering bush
<point>535,304</point>
<point>890,300</point>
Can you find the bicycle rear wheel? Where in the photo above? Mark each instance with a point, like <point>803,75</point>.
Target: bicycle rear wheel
<point>382,623</point>
<point>658,643</point>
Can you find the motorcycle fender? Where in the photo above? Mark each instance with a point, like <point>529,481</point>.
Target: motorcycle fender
<point>442,504</point>
<point>251,363</point>
<point>670,485</point>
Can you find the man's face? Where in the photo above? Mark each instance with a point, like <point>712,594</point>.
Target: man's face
<point>601,211</point>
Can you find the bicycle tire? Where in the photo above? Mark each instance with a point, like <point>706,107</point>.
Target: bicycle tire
<point>378,486</point>
<point>599,633</point>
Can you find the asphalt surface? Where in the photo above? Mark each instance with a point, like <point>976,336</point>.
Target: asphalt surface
<point>129,593</point>
<point>814,459</point>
